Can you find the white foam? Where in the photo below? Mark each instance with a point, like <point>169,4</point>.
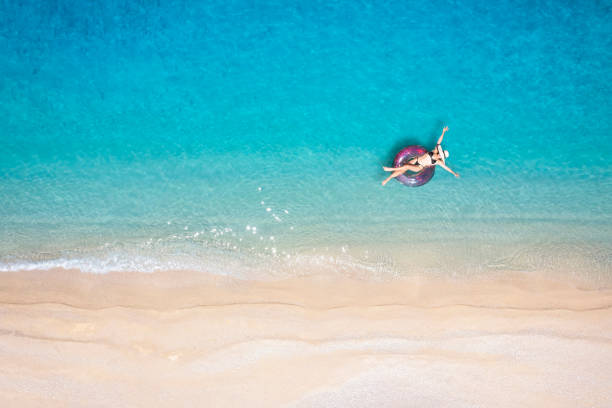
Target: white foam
<point>218,257</point>
<point>91,265</point>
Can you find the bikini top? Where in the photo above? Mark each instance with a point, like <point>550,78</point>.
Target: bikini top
<point>432,161</point>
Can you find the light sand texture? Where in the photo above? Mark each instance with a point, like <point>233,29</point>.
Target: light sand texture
<point>69,339</point>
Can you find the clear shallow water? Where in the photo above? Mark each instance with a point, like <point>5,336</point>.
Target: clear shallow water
<point>144,137</point>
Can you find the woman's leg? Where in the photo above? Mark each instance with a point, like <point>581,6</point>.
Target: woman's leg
<point>398,171</point>
<point>385,181</point>
<point>411,167</point>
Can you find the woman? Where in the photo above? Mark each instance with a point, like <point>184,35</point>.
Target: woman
<point>434,158</point>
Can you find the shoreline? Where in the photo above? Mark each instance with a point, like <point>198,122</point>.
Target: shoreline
<point>166,338</point>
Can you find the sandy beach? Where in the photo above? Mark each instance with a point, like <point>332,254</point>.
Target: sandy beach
<point>70,339</point>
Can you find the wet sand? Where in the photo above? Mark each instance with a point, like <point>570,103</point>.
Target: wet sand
<point>69,339</point>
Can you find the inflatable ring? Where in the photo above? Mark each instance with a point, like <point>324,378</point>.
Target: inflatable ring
<point>414,179</point>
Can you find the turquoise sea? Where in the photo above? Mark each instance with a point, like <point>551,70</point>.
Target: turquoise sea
<point>247,138</point>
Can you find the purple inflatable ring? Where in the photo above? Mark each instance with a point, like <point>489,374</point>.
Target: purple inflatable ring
<point>413,179</point>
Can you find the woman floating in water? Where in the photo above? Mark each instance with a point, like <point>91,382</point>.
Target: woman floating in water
<point>436,157</point>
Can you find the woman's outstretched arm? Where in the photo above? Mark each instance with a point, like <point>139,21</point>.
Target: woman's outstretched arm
<point>442,135</point>
<point>446,168</point>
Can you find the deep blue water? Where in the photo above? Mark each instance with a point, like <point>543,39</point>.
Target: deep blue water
<point>144,135</point>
